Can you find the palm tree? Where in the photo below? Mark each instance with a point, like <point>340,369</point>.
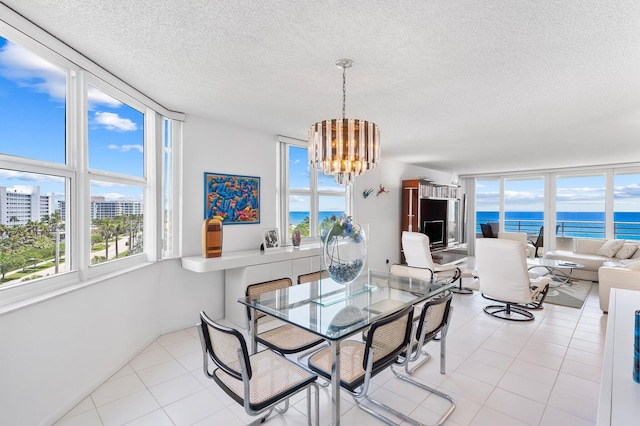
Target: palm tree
<point>119,227</point>
<point>105,229</point>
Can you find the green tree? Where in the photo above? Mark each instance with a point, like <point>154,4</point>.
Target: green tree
<point>303,227</point>
<point>120,226</point>
<point>95,239</point>
<point>105,229</point>
<point>10,262</point>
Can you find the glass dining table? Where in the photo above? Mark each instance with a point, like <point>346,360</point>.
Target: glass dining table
<point>336,311</point>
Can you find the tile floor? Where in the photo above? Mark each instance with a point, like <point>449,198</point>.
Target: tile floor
<point>546,372</point>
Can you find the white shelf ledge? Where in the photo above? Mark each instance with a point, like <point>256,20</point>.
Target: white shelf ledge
<point>241,259</point>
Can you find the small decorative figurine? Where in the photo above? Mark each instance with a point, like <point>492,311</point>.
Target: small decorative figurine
<point>367,192</point>
<point>382,191</point>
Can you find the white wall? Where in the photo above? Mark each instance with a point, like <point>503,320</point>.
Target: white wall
<point>382,212</point>
<point>220,148</point>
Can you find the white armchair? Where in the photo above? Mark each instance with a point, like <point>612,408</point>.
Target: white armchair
<point>520,237</point>
<point>417,253</point>
<point>504,278</point>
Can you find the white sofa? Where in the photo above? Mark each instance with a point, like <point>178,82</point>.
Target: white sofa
<point>585,251</point>
<point>616,277</point>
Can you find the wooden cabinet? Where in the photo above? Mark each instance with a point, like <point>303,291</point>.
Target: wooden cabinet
<point>432,209</point>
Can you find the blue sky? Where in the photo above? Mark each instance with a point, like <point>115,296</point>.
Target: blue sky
<point>32,125</point>
<point>299,178</point>
<point>574,194</point>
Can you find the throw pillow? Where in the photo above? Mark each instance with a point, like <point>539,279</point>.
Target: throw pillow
<point>610,248</point>
<point>626,250</point>
<point>635,266</point>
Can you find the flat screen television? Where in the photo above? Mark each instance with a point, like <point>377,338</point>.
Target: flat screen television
<point>434,229</point>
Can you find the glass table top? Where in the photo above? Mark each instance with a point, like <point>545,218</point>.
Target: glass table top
<point>334,310</point>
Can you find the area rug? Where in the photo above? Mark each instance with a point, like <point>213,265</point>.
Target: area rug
<point>573,295</point>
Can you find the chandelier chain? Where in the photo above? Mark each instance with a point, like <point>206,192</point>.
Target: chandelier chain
<point>344,90</point>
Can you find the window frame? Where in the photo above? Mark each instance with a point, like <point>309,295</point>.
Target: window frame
<point>80,73</point>
<point>312,192</point>
<point>550,190</point>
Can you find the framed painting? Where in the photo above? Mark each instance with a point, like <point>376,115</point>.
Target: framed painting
<point>233,199</point>
<point>270,239</point>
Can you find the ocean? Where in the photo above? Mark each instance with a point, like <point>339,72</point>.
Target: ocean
<point>296,217</point>
<point>570,224</point>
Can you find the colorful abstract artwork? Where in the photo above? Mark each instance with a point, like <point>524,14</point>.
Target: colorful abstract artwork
<point>232,199</point>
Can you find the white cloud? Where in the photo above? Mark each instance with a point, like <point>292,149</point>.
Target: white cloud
<point>335,189</point>
<point>629,191</point>
<point>127,148</point>
<point>29,177</point>
<point>112,121</point>
<point>296,199</point>
<point>97,97</point>
<point>117,196</point>
<point>30,70</point>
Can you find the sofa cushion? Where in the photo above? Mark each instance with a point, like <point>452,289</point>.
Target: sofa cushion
<point>627,250</point>
<point>610,248</point>
<point>588,245</point>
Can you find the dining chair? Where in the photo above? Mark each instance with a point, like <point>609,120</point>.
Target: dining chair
<point>504,278</point>
<point>432,325</point>
<point>283,338</point>
<point>258,382</point>
<point>487,230</point>
<point>387,339</point>
<point>313,276</point>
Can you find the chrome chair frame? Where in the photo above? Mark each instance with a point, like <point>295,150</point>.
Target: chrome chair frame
<point>359,387</point>
<point>245,374</point>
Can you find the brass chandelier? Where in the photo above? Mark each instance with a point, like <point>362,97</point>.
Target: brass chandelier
<point>344,148</point>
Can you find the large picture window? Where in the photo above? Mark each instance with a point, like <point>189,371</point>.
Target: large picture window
<point>313,200</point>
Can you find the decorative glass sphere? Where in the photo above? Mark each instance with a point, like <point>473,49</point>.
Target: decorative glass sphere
<point>345,250</point>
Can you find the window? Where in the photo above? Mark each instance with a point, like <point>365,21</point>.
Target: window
<point>312,199</point>
<point>170,171</point>
<point>524,205</point>
<point>33,105</point>
<point>34,234</point>
<point>580,206</point>
<point>487,202</point>
<point>116,138</point>
<point>626,205</point>
<point>115,134</point>
<point>77,161</point>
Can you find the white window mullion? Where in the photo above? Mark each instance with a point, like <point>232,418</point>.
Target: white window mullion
<point>81,191</point>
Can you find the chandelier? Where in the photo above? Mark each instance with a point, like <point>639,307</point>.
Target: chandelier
<point>344,148</point>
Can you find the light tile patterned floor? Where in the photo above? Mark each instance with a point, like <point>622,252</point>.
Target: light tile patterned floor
<point>546,372</point>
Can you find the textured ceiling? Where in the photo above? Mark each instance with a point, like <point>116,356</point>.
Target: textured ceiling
<point>471,86</point>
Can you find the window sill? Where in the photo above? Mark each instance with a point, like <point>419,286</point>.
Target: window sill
<point>22,296</point>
